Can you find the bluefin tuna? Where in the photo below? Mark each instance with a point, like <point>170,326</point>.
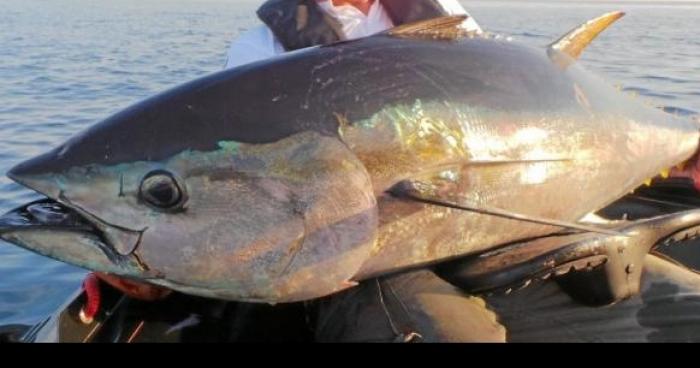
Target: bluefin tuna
<point>297,177</point>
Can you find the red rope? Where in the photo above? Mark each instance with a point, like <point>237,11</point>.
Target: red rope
<point>91,285</point>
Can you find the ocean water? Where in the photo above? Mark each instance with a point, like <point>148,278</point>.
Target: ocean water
<point>67,64</point>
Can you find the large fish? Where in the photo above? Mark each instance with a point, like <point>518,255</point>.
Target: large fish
<point>297,177</point>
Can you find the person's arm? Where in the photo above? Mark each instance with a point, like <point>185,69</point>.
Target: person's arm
<point>256,44</point>
<point>453,7</point>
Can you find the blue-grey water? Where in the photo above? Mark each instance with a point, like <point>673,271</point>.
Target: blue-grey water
<point>66,64</point>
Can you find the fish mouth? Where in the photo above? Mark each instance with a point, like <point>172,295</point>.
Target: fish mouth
<point>118,240</point>
<point>60,232</point>
<point>45,214</point>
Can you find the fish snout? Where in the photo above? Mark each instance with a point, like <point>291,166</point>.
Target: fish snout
<point>57,231</point>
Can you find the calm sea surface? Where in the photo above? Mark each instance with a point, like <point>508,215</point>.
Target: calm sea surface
<point>67,64</point>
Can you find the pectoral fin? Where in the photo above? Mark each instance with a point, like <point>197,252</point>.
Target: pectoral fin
<point>411,191</point>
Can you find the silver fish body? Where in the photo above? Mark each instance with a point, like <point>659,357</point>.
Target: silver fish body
<point>271,182</point>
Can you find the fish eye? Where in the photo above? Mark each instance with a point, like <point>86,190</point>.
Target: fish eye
<point>161,190</point>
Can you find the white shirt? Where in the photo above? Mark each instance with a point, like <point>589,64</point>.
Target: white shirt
<point>355,23</point>
<point>259,43</point>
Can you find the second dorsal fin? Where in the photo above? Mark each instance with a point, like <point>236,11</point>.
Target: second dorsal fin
<point>575,41</point>
<point>441,28</point>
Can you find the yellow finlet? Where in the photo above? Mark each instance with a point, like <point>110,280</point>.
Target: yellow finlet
<point>574,42</point>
